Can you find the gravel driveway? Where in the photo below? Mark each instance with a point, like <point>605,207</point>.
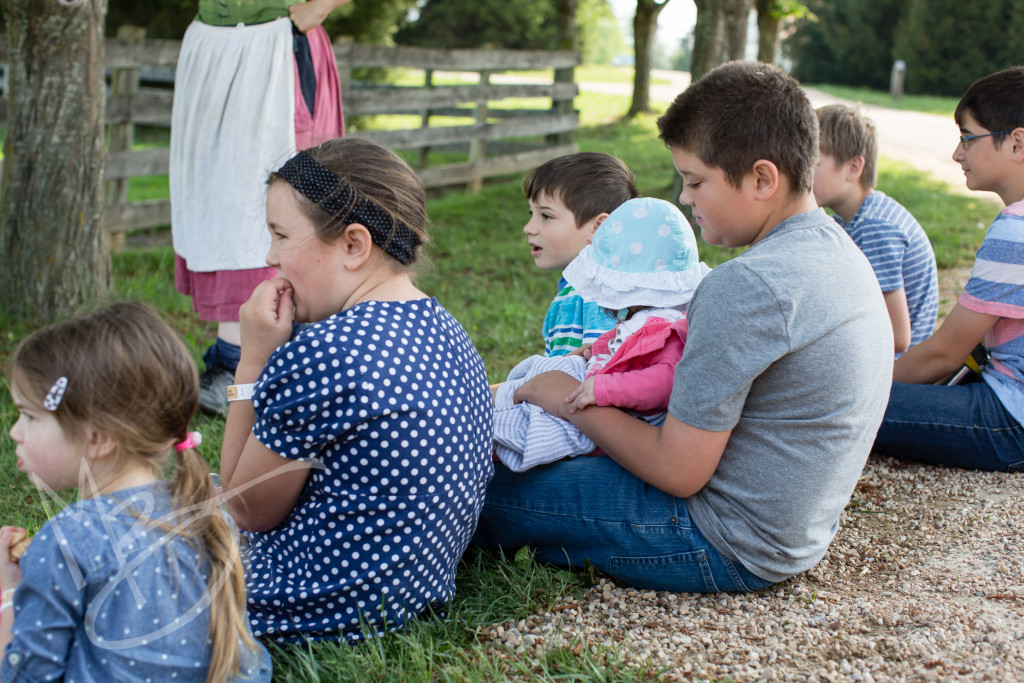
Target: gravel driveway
<point>924,582</point>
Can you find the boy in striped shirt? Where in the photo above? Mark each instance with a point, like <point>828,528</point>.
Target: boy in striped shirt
<point>892,239</point>
<point>570,196</point>
<point>976,425</point>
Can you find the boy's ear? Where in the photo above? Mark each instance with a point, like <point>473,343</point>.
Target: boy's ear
<point>357,243</point>
<point>592,225</point>
<point>854,168</point>
<point>1017,144</point>
<point>766,178</point>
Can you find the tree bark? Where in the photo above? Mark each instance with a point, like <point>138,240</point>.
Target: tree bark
<point>645,24</point>
<point>768,22</point>
<point>52,242</point>
<point>720,34</point>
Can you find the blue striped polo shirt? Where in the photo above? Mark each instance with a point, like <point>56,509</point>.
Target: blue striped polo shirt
<point>901,255</point>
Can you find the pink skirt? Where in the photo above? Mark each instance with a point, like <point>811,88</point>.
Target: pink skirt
<point>218,295</point>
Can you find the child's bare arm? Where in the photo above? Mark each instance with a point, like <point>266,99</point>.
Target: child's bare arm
<point>899,314</point>
<point>942,353</point>
<point>10,577</point>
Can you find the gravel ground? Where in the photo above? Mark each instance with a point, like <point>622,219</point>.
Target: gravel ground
<point>923,582</point>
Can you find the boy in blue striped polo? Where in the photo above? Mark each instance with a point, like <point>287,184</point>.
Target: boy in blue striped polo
<point>891,238</point>
<point>977,425</point>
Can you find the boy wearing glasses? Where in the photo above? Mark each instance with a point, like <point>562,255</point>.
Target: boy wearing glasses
<point>976,425</point>
<point>891,238</point>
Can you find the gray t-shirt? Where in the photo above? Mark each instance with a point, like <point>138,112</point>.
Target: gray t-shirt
<point>790,346</point>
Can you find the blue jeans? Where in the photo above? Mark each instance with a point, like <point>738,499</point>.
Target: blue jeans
<point>961,426</point>
<point>589,508</point>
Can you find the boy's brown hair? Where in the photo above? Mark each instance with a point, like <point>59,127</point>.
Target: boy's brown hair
<point>846,133</point>
<point>996,102</point>
<point>588,183</point>
<point>740,112</point>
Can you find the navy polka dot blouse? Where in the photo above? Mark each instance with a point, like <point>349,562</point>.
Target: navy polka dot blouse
<point>391,401</point>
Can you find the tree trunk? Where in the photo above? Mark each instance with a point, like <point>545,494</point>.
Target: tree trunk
<point>52,242</point>
<point>768,21</point>
<point>720,34</point>
<point>645,24</point>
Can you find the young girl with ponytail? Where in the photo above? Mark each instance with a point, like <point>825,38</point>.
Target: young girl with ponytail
<point>140,579</point>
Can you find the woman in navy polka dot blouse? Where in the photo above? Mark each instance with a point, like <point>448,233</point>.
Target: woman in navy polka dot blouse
<point>357,447</point>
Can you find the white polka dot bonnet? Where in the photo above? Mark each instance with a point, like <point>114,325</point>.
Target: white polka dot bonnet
<point>322,187</point>
<point>643,254</point>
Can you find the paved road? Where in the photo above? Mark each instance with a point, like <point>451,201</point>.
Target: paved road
<point>924,141</point>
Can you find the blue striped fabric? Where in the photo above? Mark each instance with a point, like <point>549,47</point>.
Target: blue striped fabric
<point>901,255</point>
<point>571,322</point>
<point>996,287</point>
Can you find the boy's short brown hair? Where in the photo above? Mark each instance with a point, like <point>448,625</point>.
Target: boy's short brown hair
<point>996,102</point>
<point>588,183</point>
<point>740,112</point>
<point>846,133</point>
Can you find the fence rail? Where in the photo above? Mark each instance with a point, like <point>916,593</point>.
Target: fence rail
<point>495,141</point>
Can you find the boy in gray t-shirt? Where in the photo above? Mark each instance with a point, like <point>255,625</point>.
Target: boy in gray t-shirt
<point>779,392</point>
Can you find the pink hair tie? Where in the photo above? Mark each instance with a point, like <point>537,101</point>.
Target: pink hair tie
<point>191,440</point>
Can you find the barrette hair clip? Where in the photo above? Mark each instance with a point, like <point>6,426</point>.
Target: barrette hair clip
<point>56,394</point>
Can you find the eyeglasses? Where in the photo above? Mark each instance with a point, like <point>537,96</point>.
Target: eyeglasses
<point>964,139</point>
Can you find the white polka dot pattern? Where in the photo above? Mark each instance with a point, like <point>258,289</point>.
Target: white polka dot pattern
<point>392,399</point>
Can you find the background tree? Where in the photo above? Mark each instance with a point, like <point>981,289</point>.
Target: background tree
<point>517,24</point>
<point>52,240</point>
<point>719,35</point>
<point>598,32</point>
<point>770,15</point>
<point>645,25</point>
<point>511,24</point>
<point>846,43</point>
<point>948,45</point>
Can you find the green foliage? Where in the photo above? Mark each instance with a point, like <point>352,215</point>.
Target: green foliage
<point>847,43</point>
<point>948,45</point>
<point>372,22</point>
<point>514,24</point>
<point>600,36</point>
<point>160,18</point>
<point>367,22</point>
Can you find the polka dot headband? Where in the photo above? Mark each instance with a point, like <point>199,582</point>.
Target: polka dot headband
<point>322,187</point>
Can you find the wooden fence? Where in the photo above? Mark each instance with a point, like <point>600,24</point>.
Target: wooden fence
<point>495,141</point>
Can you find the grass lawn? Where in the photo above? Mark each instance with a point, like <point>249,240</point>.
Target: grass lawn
<point>932,104</point>
<point>479,267</point>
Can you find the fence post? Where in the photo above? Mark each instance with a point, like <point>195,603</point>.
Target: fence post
<point>478,147</point>
<point>899,73</point>
<point>428,82</point>
<point>562,107</point>
<point>120,136</point>
<point>344,67</point>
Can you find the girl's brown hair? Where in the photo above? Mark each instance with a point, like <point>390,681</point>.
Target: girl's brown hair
<point>376,173</point>
<point>131,377</point>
